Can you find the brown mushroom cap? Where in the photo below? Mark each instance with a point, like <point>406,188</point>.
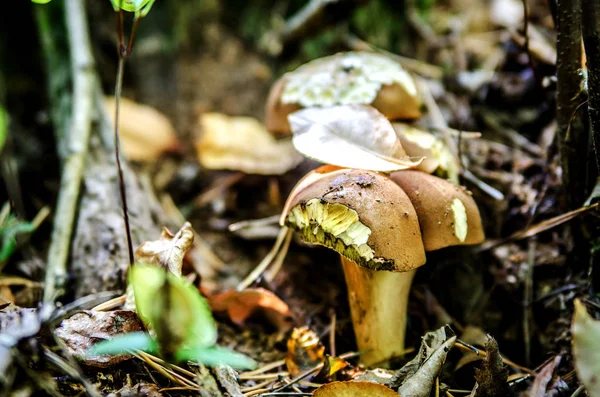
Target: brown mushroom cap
<point>345,78</point>
<point>361,214</point>
<point>276,112</point>
<point>447,214</point>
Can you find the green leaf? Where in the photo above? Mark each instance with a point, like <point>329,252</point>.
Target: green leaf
<point>172,307</point>
<point>3,127</point>
<point>212,356</point>
<point>41,1</point>
<point>129,5</point>
<point>125,343</point>
<point>586,348</point>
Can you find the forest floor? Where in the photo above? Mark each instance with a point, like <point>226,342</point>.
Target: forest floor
<point>509,301</point>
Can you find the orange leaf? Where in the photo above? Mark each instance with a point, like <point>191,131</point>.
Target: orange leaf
<point>305,350</point>
<point>241,305</point>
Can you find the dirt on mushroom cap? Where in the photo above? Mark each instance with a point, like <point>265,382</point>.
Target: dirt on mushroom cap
<point>362,215</point>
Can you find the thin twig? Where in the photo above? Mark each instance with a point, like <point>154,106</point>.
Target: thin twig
<point>267,260</point>
<point>118,87</point>
<point>263,369</point>
<point>527,310</point>
<point>82,64</point>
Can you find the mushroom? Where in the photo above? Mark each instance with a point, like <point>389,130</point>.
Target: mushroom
<point>381,226</point>
<point>370,221</point>
<point>342,79</point>
<point>418,143</point>
<point>447,213</point>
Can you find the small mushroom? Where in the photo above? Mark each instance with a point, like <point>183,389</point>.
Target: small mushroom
<point>418,143</point>
<point>447,213</point>
<point>342,79</point>
<point>370,221</point>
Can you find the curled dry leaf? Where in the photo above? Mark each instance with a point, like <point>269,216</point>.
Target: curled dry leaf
<point>241,305</point>
<point>417,377</point>
<point>304,351</point>
<point>242,144</point>
<point>351,136</point>
<point>168,251</point>
<point>144,132</point>
<point>419,143</point>
<point>586,348</point>
<point>83,330</point>
<point>354,389</point>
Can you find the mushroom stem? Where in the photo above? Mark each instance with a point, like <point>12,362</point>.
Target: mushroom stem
<point>378,304</point>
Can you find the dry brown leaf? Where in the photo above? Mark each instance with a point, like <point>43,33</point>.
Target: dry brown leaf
<point>82,330</point>
<point>241,305</point>
<point>354,389</point>
<point>417,377</point>
<point>168,251</point>
<point>144,132</point>
<point>351,136</point>
<point>243,144</point>
<point>543,378</point>
<point>304,351</point>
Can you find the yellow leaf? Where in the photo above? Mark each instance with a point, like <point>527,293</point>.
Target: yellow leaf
<point>243,144</point>
<point>586,348</point>
<point>144,132</point>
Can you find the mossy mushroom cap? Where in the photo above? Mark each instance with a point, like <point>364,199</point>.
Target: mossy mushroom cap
<point>363,215</point>
<point>342,79</point>
<point>447,213</point>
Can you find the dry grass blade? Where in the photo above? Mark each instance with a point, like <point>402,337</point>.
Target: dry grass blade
<point>483,353</point>
<point>263,369</point>
<point>217,188</point>
<point>267,260</point>
<point>111,304</point>
<point>540,227</point>
<point>166,372</point>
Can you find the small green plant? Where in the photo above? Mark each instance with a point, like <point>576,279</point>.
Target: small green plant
<point>139,7</point>
<point>11,227</point>
<point>181,324</point>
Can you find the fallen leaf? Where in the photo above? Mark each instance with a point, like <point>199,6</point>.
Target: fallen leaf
<point>83,330</point>
<point>145,133</point>
<point>417,377</point>
<point>351,136</point>
<point>493,374</point>
<point>331,366</point>
<point>15,325</point>
<point>419,143</point>
<point>354,389</point>
<point>241,305</point>
<point>304,351</point>
<point>168,251</point>
<point>242,144</point>
<point>543,378</point>
<point>586,348</point>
